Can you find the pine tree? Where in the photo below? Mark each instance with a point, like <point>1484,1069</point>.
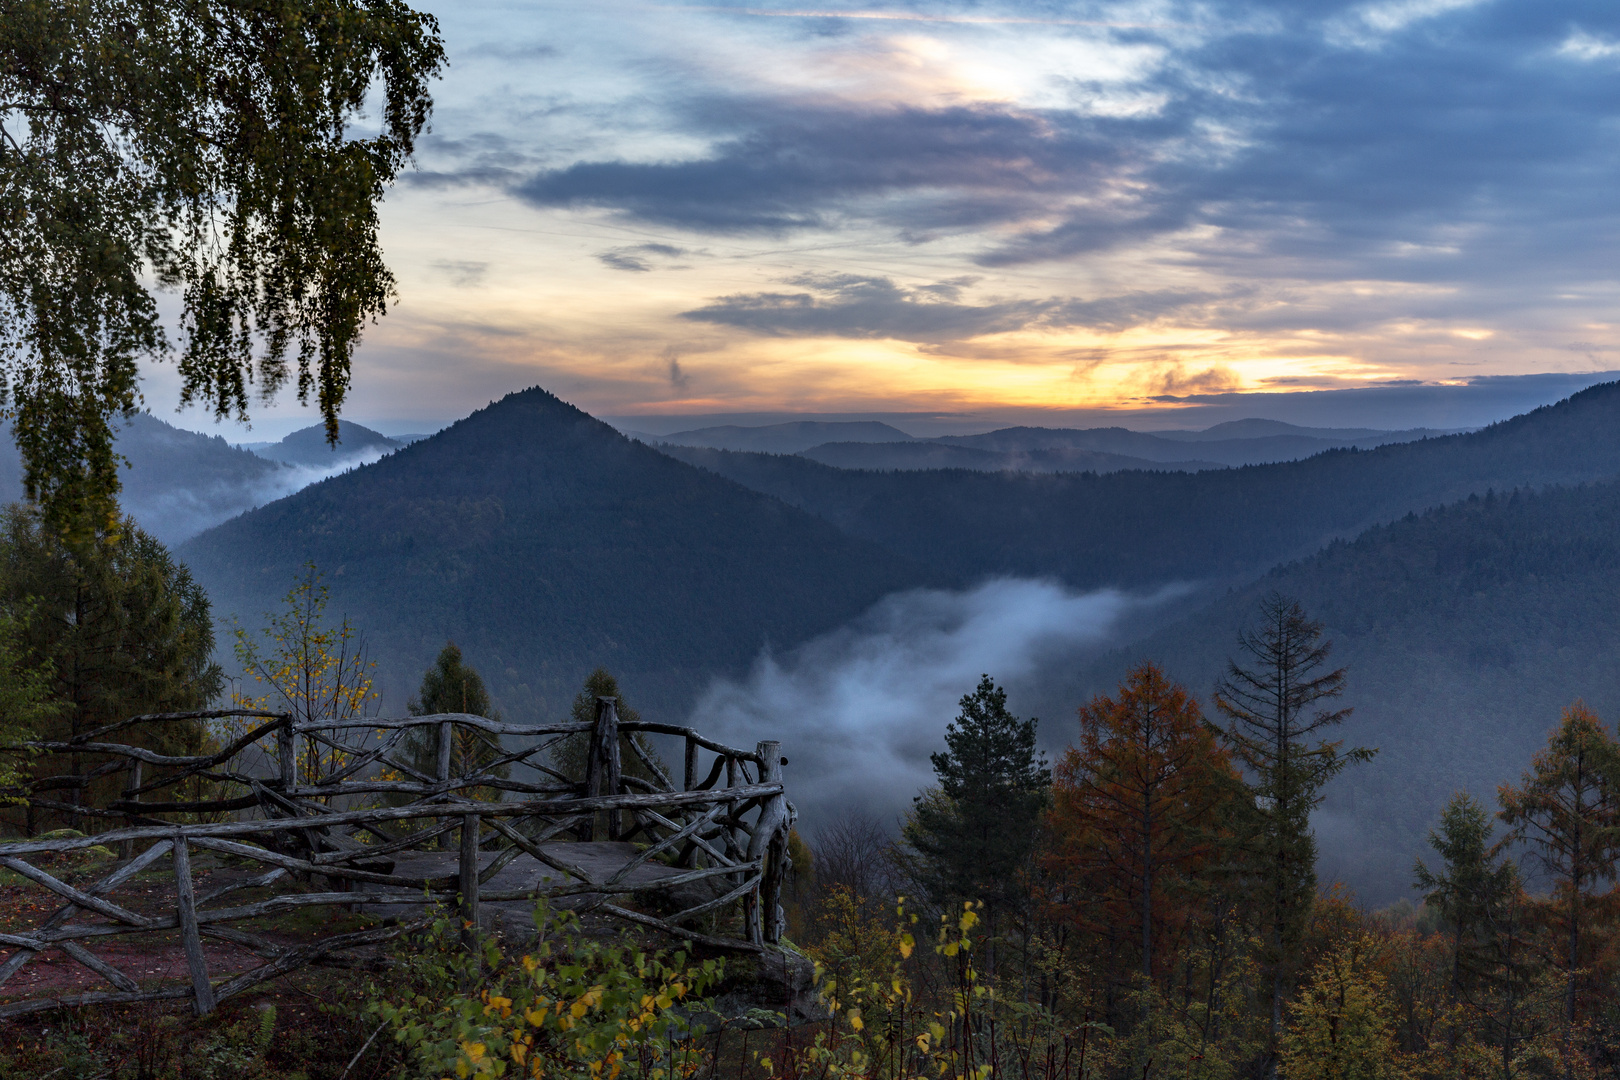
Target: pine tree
<point>1271,706</point>
<point>1567,811</point>
<point>122,629</point>
<point>975,834</point>
<point>570,755</point>
<point>1470,892</point>
<point>451,686</point>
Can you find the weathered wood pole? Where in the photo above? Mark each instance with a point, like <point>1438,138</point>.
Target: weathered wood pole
<point>447,736</point>
<point>690,780</point>
<point>185,904</point>
<point>602,766</point>
<point>127,848</point>
<point>763,910</point>
<point>289,761</point>
<point>468,878</point>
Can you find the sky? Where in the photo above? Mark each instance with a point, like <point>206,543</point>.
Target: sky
<point>995,210</point>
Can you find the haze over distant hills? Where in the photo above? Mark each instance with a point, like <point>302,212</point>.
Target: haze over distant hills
<point>176,482</point>
<point>874,445</point>
<point>308,446</point>
<point>1142,530</point>
<point>1465,630</point>
<point>912,456</point>
<point>546,544</point>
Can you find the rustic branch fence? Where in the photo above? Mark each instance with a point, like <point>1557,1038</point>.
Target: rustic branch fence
<point>726,826</point>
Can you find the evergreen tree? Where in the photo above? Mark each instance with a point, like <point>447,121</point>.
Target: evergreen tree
<point>123,630</point>
<point>1272,709</point>
<point>451,686</point>
<point>975,834</point>
<point>570,756</point>
<point>1567,811</point>
<point>1470,892</point>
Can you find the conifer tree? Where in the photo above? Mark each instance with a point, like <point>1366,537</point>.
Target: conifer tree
<point>571,753</point>
<point>122,629</point>
<point>1272,708</point>
<point>974,835</point>
<point>1134,803</point>
<point>1567,811</point>
<point>451,686</point>
<point>1471,890</point>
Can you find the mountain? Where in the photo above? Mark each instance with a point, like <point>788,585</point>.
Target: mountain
<point>1237,442</point>
<point>308,446</point>
<point>545,543</point>
<point>176,482</point>
<point>1144,529</point>
<point>933,455</point>
<point>1256,428</point>
<point>787,438</point>
<point>1465,630</point>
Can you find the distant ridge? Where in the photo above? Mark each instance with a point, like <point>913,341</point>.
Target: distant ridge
<point>308,446</point>
<point>545,544</point>
<point>789,438</point>
<point>934,455</point>
<point>1145,529</point>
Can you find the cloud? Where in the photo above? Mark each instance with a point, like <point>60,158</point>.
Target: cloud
<point>635,257</point>
<point>859,710</point>
<point>1452,151</point>
<point>861,306</point>
<point>462,273</point>
<point>798,165</point>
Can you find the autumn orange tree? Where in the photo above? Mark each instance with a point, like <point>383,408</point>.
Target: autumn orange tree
<point>1566,809</point>
<point>1133,805</point>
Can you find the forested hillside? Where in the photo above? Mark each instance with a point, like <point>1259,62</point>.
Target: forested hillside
<point>176,482</point>
<point>937,455</point>
<point>1237,442</point>
<point>1465,630</point>
<point>1142,529</point>
<point>308,446</point>
<point>546,544</point>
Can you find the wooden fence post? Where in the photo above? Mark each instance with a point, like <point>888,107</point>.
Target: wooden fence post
<point>289,760</point>
<point>186,909</point>
<point>690,780</point>
<point>763,911</point>
<point>127,849</point>
<point>442,770</point>
<point>602,768</point>
<point>468,878</point>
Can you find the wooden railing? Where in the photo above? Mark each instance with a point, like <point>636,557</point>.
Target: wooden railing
<point>727,825</point>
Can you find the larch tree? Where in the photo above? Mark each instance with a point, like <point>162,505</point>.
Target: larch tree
<point>1566,811</point>
<point>1133,805</point>
<point>1272,702</point>
<point>974,835</point>
<point>212,149</point>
